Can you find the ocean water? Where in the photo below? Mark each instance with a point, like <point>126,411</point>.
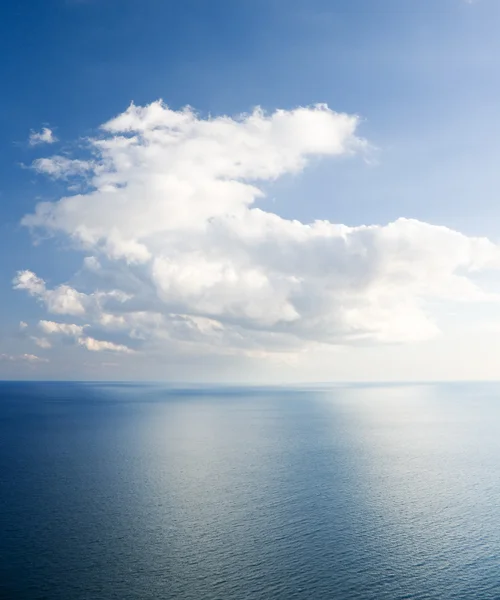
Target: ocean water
<point>146,492</point>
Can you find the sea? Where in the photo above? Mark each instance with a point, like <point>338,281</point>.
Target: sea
<point>348,492</point>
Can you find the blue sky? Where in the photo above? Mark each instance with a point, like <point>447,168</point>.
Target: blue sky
<point>423,76</point>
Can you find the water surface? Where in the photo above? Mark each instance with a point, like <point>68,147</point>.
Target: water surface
<point>147,492</point>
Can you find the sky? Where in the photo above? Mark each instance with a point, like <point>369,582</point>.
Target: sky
<point>271,191</point>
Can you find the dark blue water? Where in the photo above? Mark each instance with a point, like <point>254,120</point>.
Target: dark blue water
<point>121,492</point>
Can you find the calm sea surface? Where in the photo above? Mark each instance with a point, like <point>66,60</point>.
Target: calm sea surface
<point>144,492</point>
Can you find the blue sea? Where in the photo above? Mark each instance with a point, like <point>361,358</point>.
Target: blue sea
<point>114,491</point>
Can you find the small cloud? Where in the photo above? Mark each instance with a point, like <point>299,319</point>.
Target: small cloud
<point>50,327</point>
<point>23,325</point>
<point>94,345</point>
<point>45,136</point>
<point>91,263</point>
<point>41,342</point>
<point>26,358</point>
<point>27,280</point>
<point>60,167</point>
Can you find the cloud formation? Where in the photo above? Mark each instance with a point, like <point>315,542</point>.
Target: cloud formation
<point>181,258</point>
<point>45,136</point>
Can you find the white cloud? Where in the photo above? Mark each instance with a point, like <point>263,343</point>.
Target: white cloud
<point>45,136</point>
<point>50,328</point>
<point>62,300</point>
<point>177,172</point>
<point>170,219</point>
<point>23,325</point>
<point>60,167</point>
<point>77,332</point>
<point>22,358</point>
<point>27,280</point>
<point>100,346</point>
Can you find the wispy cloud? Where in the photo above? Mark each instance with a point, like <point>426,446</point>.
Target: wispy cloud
<point>22,358</point>
<point>60,167</point>
<point>77,333</point>
<point>41,342</point>
<point>94,345</point>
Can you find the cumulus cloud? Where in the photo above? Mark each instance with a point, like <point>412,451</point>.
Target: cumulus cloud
<point>45,136</point>
<point>181,258</point>
<point>62,300</point>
